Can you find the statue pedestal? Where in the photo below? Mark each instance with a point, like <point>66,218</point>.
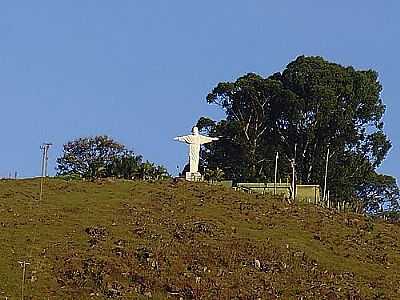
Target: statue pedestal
<point>196,176</point>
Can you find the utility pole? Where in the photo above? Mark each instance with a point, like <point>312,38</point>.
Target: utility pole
<point>23,265</point>
<point>45,157</point>
<point>276,170</point>
<point>326,172</point>
<point>293,163</point>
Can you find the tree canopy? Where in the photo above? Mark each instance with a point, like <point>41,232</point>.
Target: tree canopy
<point>101,156</point>
<point>313,104</point>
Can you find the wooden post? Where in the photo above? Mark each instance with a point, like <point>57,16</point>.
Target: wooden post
<point>315,195</point>
<point>23,265</point>
<point>326,172</point>
<point>293,162</point>
<point>276,171</point>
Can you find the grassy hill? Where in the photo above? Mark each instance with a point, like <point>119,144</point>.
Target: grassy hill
<point>166,240</point>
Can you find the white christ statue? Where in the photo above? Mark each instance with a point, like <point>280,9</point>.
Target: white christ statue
<point>195,140</point>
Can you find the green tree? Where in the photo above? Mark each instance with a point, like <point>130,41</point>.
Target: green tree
<point>253,107</point>
<point>150,171</point>
<point>312,104</point>
<point>379,193</point>
<point>125,166</point>
<point>100,157</point>
<point>214,175</point>
<point>89,157</point>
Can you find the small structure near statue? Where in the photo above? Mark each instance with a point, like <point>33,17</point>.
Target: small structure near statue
<point>304,192</point>
<point>195,140</point>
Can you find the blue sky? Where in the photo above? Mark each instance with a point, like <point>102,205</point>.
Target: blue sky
<point>139,71</point>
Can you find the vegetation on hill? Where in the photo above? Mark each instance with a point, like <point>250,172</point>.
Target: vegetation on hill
<point>311,105</point>
<point>180,240</point>
<point>102,157</point>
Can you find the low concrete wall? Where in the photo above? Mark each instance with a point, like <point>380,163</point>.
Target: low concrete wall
<point>304,192</point>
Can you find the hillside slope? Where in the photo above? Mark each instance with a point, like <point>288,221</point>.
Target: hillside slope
<point>166,240</point>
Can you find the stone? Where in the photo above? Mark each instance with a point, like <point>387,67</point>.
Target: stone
<point>257,264</point>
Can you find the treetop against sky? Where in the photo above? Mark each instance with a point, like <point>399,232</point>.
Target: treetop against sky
<point>140,72</point>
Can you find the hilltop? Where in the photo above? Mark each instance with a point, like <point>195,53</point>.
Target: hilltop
<point>180,240</point>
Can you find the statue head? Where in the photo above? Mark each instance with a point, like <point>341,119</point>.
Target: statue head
<point>195,131</point>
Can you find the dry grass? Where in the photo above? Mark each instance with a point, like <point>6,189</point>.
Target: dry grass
<point>166,240</point>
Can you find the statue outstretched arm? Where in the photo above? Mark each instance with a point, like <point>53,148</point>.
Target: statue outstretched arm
<point>184,139</point>
<point>207,139</point>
